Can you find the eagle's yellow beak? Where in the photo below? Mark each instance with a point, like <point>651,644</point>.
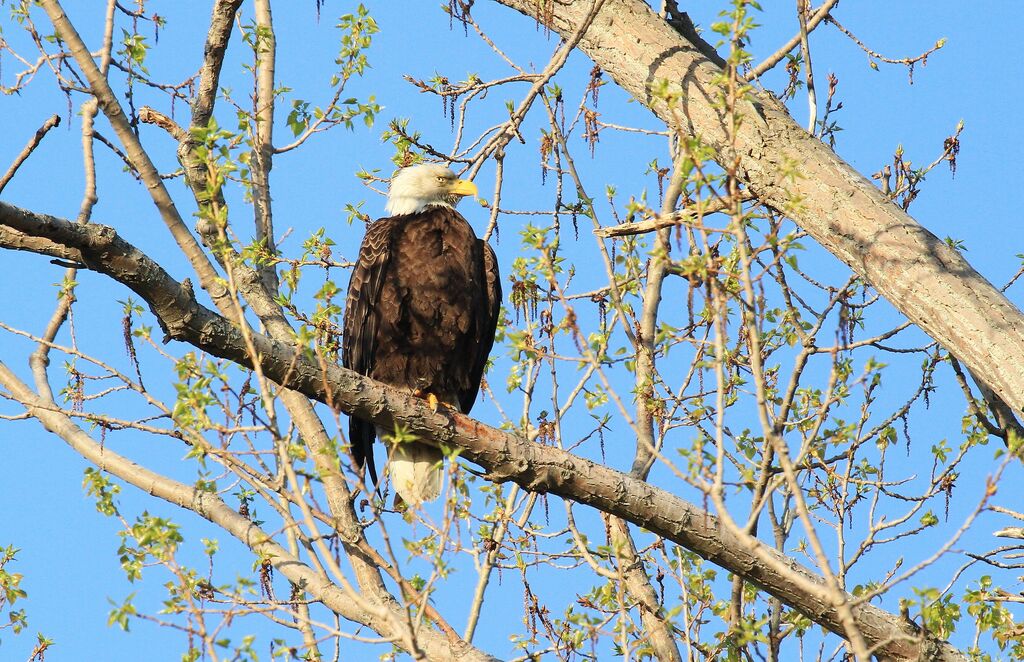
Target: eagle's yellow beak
<point>462,187</point>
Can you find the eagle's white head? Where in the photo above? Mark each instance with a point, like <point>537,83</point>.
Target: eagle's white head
<point>417,187</point>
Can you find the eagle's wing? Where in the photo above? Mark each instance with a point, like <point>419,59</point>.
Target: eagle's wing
<point>489,322</point>
<point>362,322</point>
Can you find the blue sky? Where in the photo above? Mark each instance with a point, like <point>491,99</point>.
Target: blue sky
<point>68,549</point>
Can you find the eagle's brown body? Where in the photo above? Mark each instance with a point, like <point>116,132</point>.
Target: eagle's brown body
<point>421,313</point>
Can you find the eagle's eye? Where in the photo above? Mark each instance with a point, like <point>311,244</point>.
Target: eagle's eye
<point>441,180</point>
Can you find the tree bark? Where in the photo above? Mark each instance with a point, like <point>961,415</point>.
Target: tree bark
<point>919,274</point>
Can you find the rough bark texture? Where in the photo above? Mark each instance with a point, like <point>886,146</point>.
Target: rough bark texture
<point>506,457</point>
<point>926,280</point>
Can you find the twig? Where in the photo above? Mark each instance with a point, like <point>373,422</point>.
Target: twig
<point>802,7</point>
<point>908,61</point>
<point>29,148</point>
<point>777,56</point>
<point>681,217</point>
<point>511,128</point>
<point>493,548</point>
<point>149,115</point>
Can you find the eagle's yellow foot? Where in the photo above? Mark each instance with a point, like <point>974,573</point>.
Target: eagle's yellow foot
<point>432,400</point>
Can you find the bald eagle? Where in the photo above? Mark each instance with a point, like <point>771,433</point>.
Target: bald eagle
<point>421,312</point>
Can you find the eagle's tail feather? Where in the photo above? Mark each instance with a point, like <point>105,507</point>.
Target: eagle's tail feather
<point>416,470</point>
<point>360,435</point>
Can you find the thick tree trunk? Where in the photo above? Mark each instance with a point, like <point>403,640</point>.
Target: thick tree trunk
<point>926,280</point>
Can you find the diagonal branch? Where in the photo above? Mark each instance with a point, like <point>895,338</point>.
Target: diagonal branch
<point>505,456</point>
<point>217,37</point>
<point>820,14</point>
<point>33,142</point>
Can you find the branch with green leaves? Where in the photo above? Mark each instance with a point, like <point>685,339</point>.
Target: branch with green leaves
<point>504,456</point>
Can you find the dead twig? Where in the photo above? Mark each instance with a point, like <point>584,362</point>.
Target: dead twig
<point>29,148</point>
<point>681,217</point>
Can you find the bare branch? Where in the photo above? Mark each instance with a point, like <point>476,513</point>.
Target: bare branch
<point>819,15</point>
<point>149,115</point>
<point>28,149</point>
<point>221,23</point>
<point>686,216</point>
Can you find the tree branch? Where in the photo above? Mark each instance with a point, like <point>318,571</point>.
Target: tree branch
<point>687,216</point>
<point>506,457</point>
<point>265,49</point>
<point>819,15</point>
<point>222,21</point>
<point>30,147</point>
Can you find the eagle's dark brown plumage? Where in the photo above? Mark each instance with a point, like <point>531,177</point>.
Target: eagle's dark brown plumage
<point>421,313</point>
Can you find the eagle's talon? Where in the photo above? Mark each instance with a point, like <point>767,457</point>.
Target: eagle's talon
<point>436,404</point>
<point>432,400</point>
